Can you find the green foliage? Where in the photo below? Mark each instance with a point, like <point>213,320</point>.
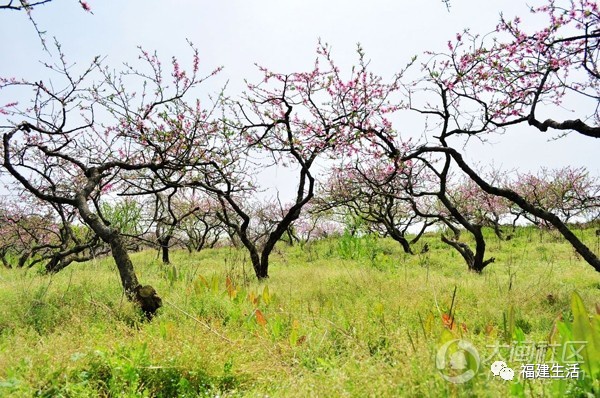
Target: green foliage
<point>580,336</point>
<point>129,372</point>
<point>171,274</point>
<point>126,215</point>
<point>352,247</point>
<point>318,328</point>
<point>584,328</point>
<point>588,330</point>
<point>41,314</point>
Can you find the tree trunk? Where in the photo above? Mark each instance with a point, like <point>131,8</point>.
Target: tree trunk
<point>399,237</point>
<point>124,265</point>
<point>54,265</point>
<point>479,264</point>
<point>23,258</point>
<point>213,242</point>
<point>145,296</point>
<point>263,272</point>
<point>4,260</point>
<point>201,241</point>
<point>464,250</point>
<point>497,230</point>
<point>165,254</point>
<point>164,247</point>
<point>475,261</point>
<point>259,270</point>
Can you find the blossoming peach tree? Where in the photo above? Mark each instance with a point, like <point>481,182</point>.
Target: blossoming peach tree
<point>74,144</point>
<point>515,74</point>
<point>36,232</point>
<point>379,196</point>
<point>101,133</point>
<point>291,120</point>
<point>507,78</point>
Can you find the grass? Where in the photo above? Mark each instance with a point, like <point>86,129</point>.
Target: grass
<point>338,317</point>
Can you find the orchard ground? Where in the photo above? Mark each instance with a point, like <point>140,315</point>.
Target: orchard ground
<point>338,317</point>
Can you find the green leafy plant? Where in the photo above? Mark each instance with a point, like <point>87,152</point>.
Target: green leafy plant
<point>584,329</point>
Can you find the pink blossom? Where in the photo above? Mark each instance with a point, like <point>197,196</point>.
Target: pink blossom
<point>85,5</point>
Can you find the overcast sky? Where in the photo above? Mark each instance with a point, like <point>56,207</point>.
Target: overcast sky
<point>282,35</point>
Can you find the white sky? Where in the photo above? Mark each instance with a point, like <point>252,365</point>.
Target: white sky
<point>281,35</point>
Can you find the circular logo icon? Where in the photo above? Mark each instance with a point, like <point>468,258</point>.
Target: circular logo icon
<point>457,361</point>
<point>499,368</point>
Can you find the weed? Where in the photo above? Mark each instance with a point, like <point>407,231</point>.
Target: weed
<point>351,316</point>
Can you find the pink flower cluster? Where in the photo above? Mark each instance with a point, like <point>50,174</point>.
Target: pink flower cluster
<point>513,69</point>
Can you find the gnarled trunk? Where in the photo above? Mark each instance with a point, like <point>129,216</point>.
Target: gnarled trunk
<point>475,261</point>
<point>164,248</point>
<point>398,236</point>
<point>145,296</point>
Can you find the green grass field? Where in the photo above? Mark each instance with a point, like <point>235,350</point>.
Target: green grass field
<point>337,318</point>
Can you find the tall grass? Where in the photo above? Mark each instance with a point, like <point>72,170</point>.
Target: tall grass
<point>338,317</point>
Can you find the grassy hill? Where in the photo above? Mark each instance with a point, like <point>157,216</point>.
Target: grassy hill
<point>338,317</point>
